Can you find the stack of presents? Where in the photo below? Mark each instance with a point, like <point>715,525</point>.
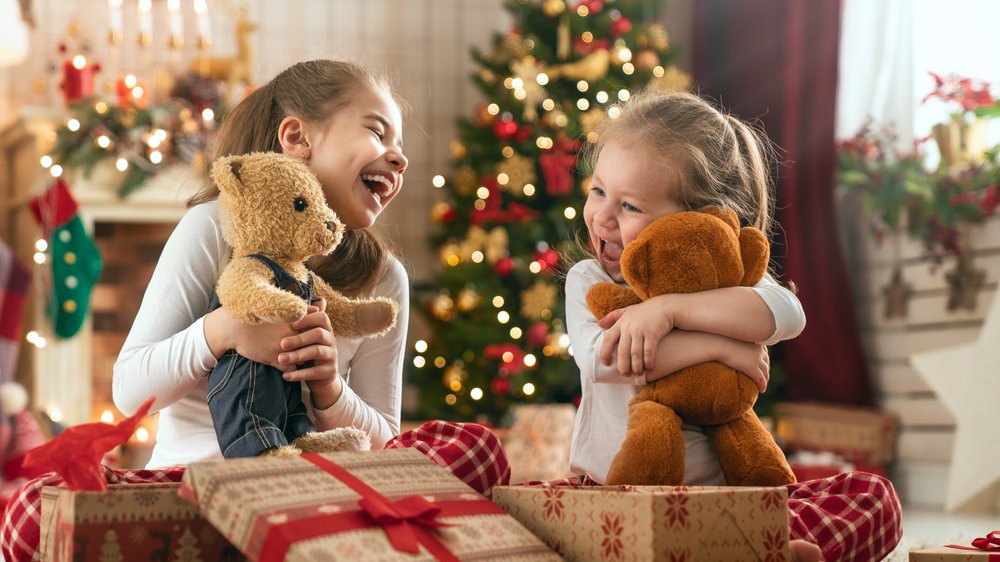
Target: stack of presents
<point>400,505</point>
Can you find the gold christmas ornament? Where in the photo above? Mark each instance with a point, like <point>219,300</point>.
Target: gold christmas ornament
<point>537,300</point>
<point>488,76</point>
<point>468,299</point>
<point>590,68</point>
<point>520,170</point>
<point>493,244</point>
<point>553,8</point>
<point>590,120</point>
<point>455,373</point>
<point>657,37</point>
<point>511,47</point>
<point>439,211</point>
<point>450,254</point>
<point>458,149</point>
<point>673,80</point>
<point>443,307</point>
<point>527,71</point>
<point>647,59</point>
<point>483,116</point>
<point>465,181</point>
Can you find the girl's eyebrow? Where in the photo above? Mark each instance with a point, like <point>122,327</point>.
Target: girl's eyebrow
<point>380,119</point>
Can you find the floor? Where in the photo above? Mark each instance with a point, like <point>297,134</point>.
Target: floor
<point>922,528</point>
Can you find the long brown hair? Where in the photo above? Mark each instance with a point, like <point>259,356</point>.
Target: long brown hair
<point>313,91</point>
<point>727,162</point>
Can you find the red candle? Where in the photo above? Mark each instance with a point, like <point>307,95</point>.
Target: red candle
<point>78,79</point>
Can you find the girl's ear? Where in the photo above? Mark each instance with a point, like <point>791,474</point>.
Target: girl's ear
<point>292,136</point>
<point>226,173</point>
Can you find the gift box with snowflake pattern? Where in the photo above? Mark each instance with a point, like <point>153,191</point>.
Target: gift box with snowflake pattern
<point>127,522</point>
<point>705,524</point>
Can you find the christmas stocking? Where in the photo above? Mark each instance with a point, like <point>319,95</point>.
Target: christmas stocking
<point>76,263</point>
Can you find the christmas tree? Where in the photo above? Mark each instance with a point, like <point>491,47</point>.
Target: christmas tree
<point>511,208</point>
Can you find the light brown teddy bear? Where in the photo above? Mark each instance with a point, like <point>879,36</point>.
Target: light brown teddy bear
<point>688,252</point>
<point>274,215</point>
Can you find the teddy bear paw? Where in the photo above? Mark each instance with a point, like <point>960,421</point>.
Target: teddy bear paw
<point>333,440</point>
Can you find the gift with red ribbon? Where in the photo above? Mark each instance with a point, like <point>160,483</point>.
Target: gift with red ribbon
<point>371,505</point>
<point>981,549</point>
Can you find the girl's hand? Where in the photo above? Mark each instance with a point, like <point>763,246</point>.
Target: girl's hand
<point>751,359</point>
<point>637,331</point>
<point>260,343</point>
<point>310,355</point>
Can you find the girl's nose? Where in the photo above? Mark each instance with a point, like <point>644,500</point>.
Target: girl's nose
<point>397,159</point>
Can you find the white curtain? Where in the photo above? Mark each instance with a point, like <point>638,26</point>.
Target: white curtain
<point>887,48</point>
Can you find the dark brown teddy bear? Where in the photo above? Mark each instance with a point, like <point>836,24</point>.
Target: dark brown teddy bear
<point>688,252</point>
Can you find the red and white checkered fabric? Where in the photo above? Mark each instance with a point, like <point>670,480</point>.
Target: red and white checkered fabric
<point>20,529</point>
<point>854,516</point>
<point>469,450</point>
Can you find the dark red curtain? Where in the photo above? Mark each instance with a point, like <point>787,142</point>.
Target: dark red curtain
<point>775,61</point>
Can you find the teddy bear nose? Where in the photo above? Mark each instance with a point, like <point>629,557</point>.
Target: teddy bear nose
<point>331,226</point>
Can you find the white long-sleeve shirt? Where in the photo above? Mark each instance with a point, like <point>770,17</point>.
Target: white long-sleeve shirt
<point>602,418</point>
<point>166,354</point>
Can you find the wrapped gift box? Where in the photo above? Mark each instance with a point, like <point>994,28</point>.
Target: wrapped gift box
<point>948,554</point>
<point>863,436</point>
<point>653,522</point>
<point>128,522</point>
<point>383,505</point>
<point>537,445</point>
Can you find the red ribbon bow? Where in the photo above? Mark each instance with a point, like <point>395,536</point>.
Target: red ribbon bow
<point>398,517</point>
<point>989,543</point>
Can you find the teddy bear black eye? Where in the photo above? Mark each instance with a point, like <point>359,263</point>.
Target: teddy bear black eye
<point>300,204</point>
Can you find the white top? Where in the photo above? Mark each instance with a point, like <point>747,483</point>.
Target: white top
<point>166,354</point>
<point>602,417</point>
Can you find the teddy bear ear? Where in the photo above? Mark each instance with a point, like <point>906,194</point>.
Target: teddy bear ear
<point>226,173</point>
<point>756,253</point>
<point>725,214</point>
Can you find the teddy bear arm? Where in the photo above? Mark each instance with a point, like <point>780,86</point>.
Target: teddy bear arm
<point>356,318</point>
<point>604,297</point>
<point>246,288</point>
<point>755,252</point>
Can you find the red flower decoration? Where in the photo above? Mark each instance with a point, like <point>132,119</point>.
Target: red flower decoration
<point>516,357</point>
<point>969,93</point>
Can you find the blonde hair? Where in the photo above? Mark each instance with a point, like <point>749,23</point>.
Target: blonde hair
<point>313,91</point>
<point>724,161</point>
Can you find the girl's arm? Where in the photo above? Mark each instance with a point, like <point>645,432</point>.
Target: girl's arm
<point>764,314</point>
<point>372,398</point>
<point>166,352</point>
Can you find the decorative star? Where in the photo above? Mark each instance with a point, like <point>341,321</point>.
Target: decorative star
<point>897,295</point>
<point>963,284</point>
<point>527,69</point>
<point>966,379</point>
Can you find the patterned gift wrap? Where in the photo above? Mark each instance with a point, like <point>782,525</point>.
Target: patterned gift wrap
<point>982,549</point>
<point>384,505</point>
<point>537,445</point>
<point>132,522</point>
<point>705,524</point>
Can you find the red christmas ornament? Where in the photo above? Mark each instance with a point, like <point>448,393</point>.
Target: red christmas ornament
<point>500,385</point>
<point>125,93</point>
<point>510,364</point>
<point>505,128</point>
<point>549,259</point>
<point>581,47</point>
<point>504,266</point>
<point>620,26</point>
<point>537,334</point>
